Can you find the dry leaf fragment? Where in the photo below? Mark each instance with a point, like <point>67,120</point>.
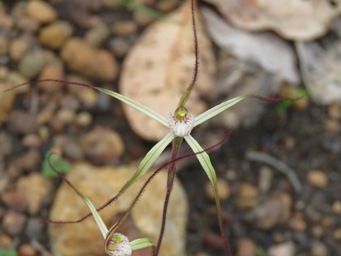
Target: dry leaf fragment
<point>259,65</point>
<point>320,63</point>
<point>292,19</point>
<point>159,68</point>
<point>266,49</point>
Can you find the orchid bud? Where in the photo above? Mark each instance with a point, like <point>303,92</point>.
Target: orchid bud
<point>118,245</point>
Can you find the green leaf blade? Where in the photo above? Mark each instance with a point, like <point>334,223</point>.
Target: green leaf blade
<point>149,159</point>
<point>136,105</point>
<point>141,243</point>
<point>212,112</point>
<point>57,162</point>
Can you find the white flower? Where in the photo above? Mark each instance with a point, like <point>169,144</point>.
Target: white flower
<point>181,124</point>
<point>118,245</point>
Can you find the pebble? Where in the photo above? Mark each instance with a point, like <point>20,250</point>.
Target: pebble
<point>213,240</point>
<point>32,63</point>
<point>31,140</point>
<point>35,228</point>
<point>53,70</point>
<point>97,35</point>
<point>231,175</point>
<point>30,161</point>
<point>41,11</point>
<point>332,125</point>
<point>124,28</point>
<point>274,211</point>
<point>337,234</point>
<point>98,183</point>
<point>14,200</point>
<point>337,207</point>
<point>119,47</point>
<point>15,78</point>
<point>86,95</point>
<point>72,149</point>
<point>167,6</point>
<point>5,241</point>
<point>247,196</point>
<point>14,222</point>
<point>66,115</point>
<point>19,117</point>
<point>319,249</point>
<point>27,24</point>
<point>70,102</point>
<point>297,223</point>
<point>6,144</point>
<point>284,249</point>
<point>317,179</point>
<point>317,231</point>
<point>18,48</point>
<point>6,21</point>
<point>55,34</point>
<point>142,19</point>
<point>223,190</point>
<point>4,45</point>
<point>334,110</point>
<point>35,189</point>
<point>102,145</point>
<point>289,142</point>
<point>27,250</point>
<point>246,247</point>
<point>89,61</point>
<point>5,102</point>
<point>83,119</point>
<point>56,125</point>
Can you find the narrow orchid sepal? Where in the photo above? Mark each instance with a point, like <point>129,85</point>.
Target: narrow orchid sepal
<point>141,243</point>
<point>212,112</point>
<point>203,158</point>
<point>206,164</point>
<point>103,228</point>
<point>136,105</point>
<point>149,159</point>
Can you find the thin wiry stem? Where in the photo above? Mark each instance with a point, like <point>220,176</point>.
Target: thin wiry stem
<point>110,201</point>
<point>170,182</point>
<point>186,95</point>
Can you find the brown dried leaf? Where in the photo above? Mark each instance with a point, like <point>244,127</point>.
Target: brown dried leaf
<point>269,51</point>
<point>159,68</point>
<point>292,19</point>
<point>321,66</point>
<point>249,63</point>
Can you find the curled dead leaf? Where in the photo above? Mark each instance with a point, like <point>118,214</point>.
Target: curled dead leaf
<point>321,66</point>
<point>159,68</point>
<point>292,19</point>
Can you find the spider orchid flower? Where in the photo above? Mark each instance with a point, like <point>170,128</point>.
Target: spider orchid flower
<point>180,125</point>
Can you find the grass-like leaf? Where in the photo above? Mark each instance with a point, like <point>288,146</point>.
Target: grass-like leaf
<point>134,104</point>
<point>217,110</point>
<point>149,159</point>
<point>140,243</point>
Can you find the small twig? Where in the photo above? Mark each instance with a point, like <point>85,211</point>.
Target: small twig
<point>280,166</point>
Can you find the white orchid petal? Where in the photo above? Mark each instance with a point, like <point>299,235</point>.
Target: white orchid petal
<point>208,114</point>
<point>136,105</point>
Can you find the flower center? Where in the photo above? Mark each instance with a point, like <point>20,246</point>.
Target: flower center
<point>181,123</point>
